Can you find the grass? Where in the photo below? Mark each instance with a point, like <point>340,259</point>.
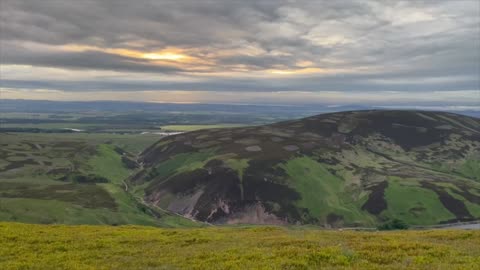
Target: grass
<point>239,165</point>
<point>134,143</point>
<point>30,193</point>
<point>85,195</point>
<point>55,211</point>
<point>133,247</point>
<point>182,163</point>
<point>108,163</point>
<point>474,209</point>
<point>310,179</point>
<point>471,169</point>
<point>404,196</point>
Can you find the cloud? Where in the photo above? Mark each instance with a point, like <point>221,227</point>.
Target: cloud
<point>346,83</point>
<point>88,59</point>
<point>349,46</point>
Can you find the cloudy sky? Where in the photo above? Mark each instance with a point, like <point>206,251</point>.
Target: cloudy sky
<point>287,52</point>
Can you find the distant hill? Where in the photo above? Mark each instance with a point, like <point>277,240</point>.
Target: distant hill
<point>357,168</point>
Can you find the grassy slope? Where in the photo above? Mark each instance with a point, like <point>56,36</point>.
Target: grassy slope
<point>405,195</point>
<point>133,247</point>
<point>107,163</point>
<point>133,143</point>
<point>471,169</point>
<point>182,162</point>
<point>30,195</point>
<point>311,179</point>
<point>53,211</point>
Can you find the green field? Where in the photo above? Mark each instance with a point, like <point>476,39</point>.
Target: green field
<point>135,247</point>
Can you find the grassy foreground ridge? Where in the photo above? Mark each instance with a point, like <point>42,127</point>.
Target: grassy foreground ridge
<point>25,246</point>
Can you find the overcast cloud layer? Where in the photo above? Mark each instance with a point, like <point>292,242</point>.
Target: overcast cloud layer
<point>398,50</point>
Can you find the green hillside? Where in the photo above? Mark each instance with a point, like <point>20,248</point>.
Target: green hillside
<point>358,168</point>
<point>74,179</point>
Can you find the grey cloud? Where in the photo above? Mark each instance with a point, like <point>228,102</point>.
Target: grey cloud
<point>258,62</point>
<point>80,60</point>
<point>347,83</point>
<point>394,40</point>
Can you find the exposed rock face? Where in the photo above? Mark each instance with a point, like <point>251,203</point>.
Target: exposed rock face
<point>349,168</point>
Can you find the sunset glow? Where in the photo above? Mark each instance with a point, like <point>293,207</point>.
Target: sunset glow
<point>163,56</point>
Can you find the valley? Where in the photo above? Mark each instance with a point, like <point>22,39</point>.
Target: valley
<point>74,178</point>
<point>351,169</point>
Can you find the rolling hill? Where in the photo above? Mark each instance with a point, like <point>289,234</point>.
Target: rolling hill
<point>358,168</point>
<point>74,178</point>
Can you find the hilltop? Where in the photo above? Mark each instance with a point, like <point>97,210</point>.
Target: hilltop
<point>357,168</point>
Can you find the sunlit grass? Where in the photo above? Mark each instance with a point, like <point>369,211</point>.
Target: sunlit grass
<point>135,247</point>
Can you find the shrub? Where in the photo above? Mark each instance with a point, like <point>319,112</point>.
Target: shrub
<point>395,224</point>
<point>88,179</point>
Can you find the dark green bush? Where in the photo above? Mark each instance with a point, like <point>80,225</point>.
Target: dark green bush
<point>394,224</point>
<point>88,179</point>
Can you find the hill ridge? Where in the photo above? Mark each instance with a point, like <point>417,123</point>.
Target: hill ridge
<point>335,169</point>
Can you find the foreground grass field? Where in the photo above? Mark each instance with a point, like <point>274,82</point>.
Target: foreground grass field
<point>26,246</point>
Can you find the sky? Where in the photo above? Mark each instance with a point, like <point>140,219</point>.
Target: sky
<point>254,52</point>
